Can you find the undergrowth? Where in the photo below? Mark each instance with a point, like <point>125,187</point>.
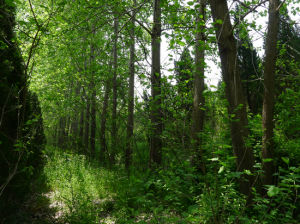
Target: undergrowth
<point>85,192</point>
<point>80,187</point>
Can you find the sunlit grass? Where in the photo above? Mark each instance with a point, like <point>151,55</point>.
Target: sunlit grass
<point>80,188</point>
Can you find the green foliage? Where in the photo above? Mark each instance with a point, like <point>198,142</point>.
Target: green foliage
<point>21,129</point>
<point>79,187</point>
<point>62,74</point>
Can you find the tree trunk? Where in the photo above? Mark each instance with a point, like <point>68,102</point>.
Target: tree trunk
<point>62,132</point>
<point>81,128</point>
<point>130,121</point>
<point>93,97</point>
<point>93,121</point>
<point>199,100</point>
<point>87,124</point>
<point>103,150</point>
<point>115,89</point>
<point>269,93</point>
<point>233,90</point>
<point>155,105</point>
<point>75,120</point>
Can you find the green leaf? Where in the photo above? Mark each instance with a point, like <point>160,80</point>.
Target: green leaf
<point>181,43</point>
<point>286,160</point>
<point>219,21</point>
<point>221,169</point>
<point>248,172</point>
<point>272,191</point>
<point>267,160</point>
<point>10,3</point>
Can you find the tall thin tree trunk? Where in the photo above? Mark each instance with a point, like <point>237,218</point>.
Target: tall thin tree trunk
<point>68,131</point>
<point>199,100</point>
<point>93,121</point>
<point>81,128</point>
<point>103,150</point>
<point>75,120</point>
<point>130,121</point>
<point>87,124</point>
<point>62,132</point>
<point>233,90</point>
<point>155,105</point>
<point>115,89</point>
<point>93,97</point>
<point>269,93</point>
<point>57,134</point>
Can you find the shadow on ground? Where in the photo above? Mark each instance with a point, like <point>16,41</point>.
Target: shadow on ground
<point>36,208</point>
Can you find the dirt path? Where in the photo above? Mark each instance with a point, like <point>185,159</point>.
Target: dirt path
<point>38,209</point>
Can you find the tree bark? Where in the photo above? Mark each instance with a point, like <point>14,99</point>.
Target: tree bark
<point>62,132</point>
<point>130,121</point>
<point>93,121</point>
<point>75,120</point>
<point>115,89</point>
<point>87,124</point>
<point>81,128</point>
<point>93,97</point>
<point>199,100</point>
<point>155,105</point>
<point>269,93</point>
<point>103,150</point>
<point>234,94</point>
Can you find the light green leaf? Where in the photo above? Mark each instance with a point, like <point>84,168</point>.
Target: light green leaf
<point>267,160</point>
<point>221,169</point>
<point>273,190</point>
<point>248,172</point>
<point>286,160</point>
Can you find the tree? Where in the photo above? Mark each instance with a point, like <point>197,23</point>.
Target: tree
<point>114,89</point>
<point>130,121</point>
<point>249,65</point>
<point>156,101</point>
<point>184,79</point>
<point>199,99</point>
<point>269,93</point>
<point>288,52</point>
<point>93,96</point>
<point>21,131</point>
<point>234,94</point>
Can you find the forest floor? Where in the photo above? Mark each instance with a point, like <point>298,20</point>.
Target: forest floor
<point>71,189</point>
<point>66,185</point>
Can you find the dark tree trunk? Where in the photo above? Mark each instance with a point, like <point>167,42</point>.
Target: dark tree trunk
<point>68,137</point>
<point>103,150</point>
<point>199,100</point>
<point>233,90</point>
<point>87,124</point>
<point>54,140</point>
<point>115,89</point>
<point>62,132</point>
<point>93,97</point>
<point>75,120</point>
<point>130,121</point>
<point>81,128</point>
<point>155,105</point>
<point>93,121</point>
<point>269,84</point>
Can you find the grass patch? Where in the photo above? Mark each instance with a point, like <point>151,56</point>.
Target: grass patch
<point>80,189</point>
<point>83,191</point>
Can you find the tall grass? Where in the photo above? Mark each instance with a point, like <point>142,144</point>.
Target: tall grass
<point>81,189</point>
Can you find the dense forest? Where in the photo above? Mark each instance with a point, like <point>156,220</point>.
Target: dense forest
<point>108,114</point>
